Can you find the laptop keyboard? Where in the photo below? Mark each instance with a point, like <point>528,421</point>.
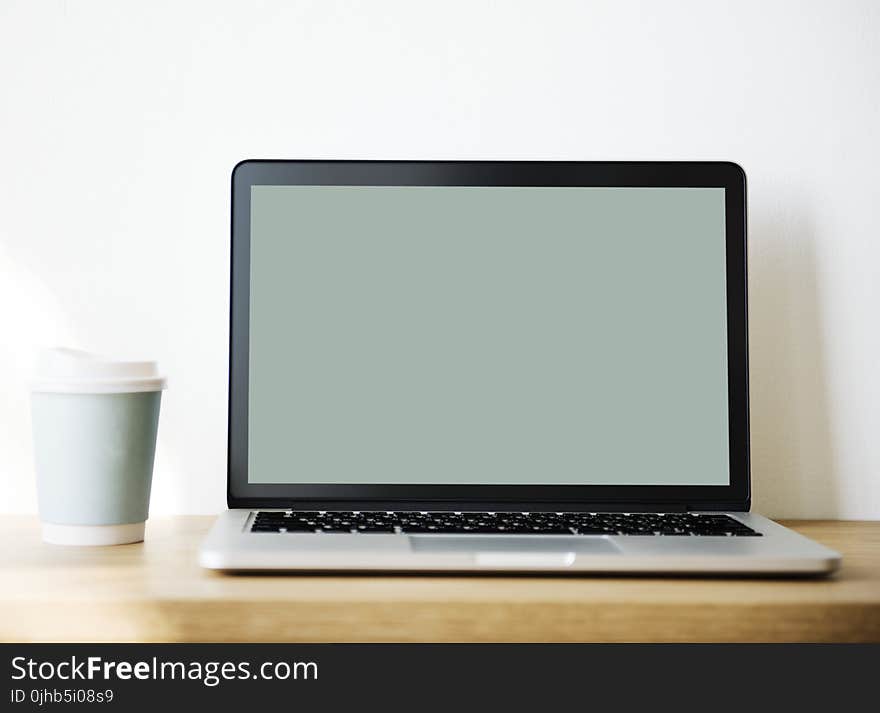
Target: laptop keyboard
<point>501,523</point>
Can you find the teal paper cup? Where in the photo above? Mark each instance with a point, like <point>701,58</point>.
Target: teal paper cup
<point>94,432</point>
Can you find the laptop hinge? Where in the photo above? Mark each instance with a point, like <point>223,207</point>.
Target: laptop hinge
<point>738,506</point>
<point>493,506</point>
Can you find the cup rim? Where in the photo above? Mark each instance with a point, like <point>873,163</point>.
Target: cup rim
<point>100,386</point>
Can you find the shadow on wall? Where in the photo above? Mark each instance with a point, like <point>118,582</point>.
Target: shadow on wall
<point>793,456</point>
<point>30,315</point>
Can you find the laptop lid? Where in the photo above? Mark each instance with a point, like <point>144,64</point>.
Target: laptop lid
<point>488,334</point>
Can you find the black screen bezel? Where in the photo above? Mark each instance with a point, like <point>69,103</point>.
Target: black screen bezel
<point>730,176</point>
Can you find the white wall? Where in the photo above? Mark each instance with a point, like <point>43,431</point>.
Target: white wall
<point>120,122</point>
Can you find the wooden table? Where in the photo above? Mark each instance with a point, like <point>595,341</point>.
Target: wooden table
<point>156,592</point>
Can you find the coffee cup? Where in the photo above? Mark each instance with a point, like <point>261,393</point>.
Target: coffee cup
<point>94,429</point>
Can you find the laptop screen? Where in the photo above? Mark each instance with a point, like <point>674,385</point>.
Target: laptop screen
<point>487,335</point>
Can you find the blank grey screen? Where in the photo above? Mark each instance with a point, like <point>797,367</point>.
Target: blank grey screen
<point>496,335</point>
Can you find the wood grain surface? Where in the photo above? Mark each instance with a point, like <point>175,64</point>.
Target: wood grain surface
<point>155,591</point>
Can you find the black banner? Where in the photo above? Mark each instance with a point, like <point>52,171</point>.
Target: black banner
<point>134,677</point>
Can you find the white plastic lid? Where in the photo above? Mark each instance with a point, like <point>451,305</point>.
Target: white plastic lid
<point>70,371</point>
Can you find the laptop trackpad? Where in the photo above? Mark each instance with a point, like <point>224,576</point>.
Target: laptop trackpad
<point>554,551</point>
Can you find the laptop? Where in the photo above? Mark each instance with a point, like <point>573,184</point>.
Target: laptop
<point>492,367</point>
